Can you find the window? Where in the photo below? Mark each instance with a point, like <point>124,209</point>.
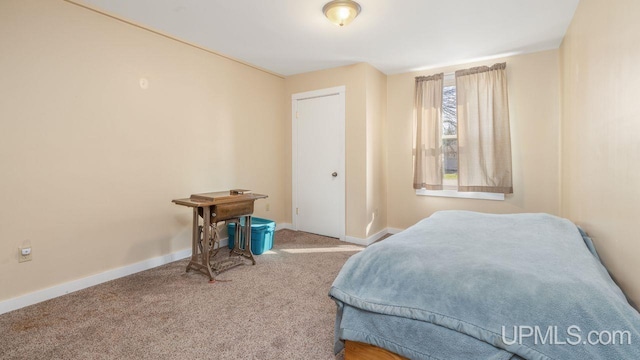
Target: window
<point>436,172</point>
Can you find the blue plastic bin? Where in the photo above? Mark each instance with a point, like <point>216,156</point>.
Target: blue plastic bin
<point>261,234</point>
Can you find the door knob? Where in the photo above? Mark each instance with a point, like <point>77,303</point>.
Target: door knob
<point>334,174</point>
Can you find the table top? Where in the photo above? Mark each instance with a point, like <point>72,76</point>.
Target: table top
<point>217,198</point>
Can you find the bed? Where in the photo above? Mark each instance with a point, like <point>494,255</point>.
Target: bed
<point>466,285</point>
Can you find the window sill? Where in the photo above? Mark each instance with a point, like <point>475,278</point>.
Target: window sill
<point>462,195</point>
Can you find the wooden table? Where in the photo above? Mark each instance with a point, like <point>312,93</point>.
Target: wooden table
<point>213,208</point>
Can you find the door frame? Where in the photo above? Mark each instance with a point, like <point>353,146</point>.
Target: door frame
<point>340,138</point>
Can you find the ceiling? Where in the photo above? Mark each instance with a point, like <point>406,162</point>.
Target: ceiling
<point>292,36</point>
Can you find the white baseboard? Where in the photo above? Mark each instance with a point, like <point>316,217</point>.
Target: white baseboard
<point>75,285</point>
<point>393,230</point>
<point>356,240</point>
<point>83,283</point>
<point>280,226</point>
<point>368,241</point>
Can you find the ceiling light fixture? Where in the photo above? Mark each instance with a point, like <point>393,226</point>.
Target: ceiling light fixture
<point>341,12</point>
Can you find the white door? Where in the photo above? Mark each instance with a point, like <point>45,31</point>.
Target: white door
<point>318,162</point>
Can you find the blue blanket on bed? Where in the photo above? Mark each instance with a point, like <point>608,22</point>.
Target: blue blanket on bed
<point>488,285</point>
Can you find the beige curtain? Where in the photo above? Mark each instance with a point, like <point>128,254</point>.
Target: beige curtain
<point>427,130</point>
<point>484,141</point>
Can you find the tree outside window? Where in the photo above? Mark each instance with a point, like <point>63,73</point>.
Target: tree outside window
<point>450,137</point>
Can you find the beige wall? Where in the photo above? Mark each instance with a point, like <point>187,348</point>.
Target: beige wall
<point>534,102</point>
<point>353,77</point>
<point>90,161</point>
<point>376,141</point>
<point>601,132</point>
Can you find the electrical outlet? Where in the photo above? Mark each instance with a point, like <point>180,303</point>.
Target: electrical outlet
<point>267,207</point>
<point>24,254</point>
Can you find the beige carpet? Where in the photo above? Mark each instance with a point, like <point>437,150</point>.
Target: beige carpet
<point>277,309</point>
